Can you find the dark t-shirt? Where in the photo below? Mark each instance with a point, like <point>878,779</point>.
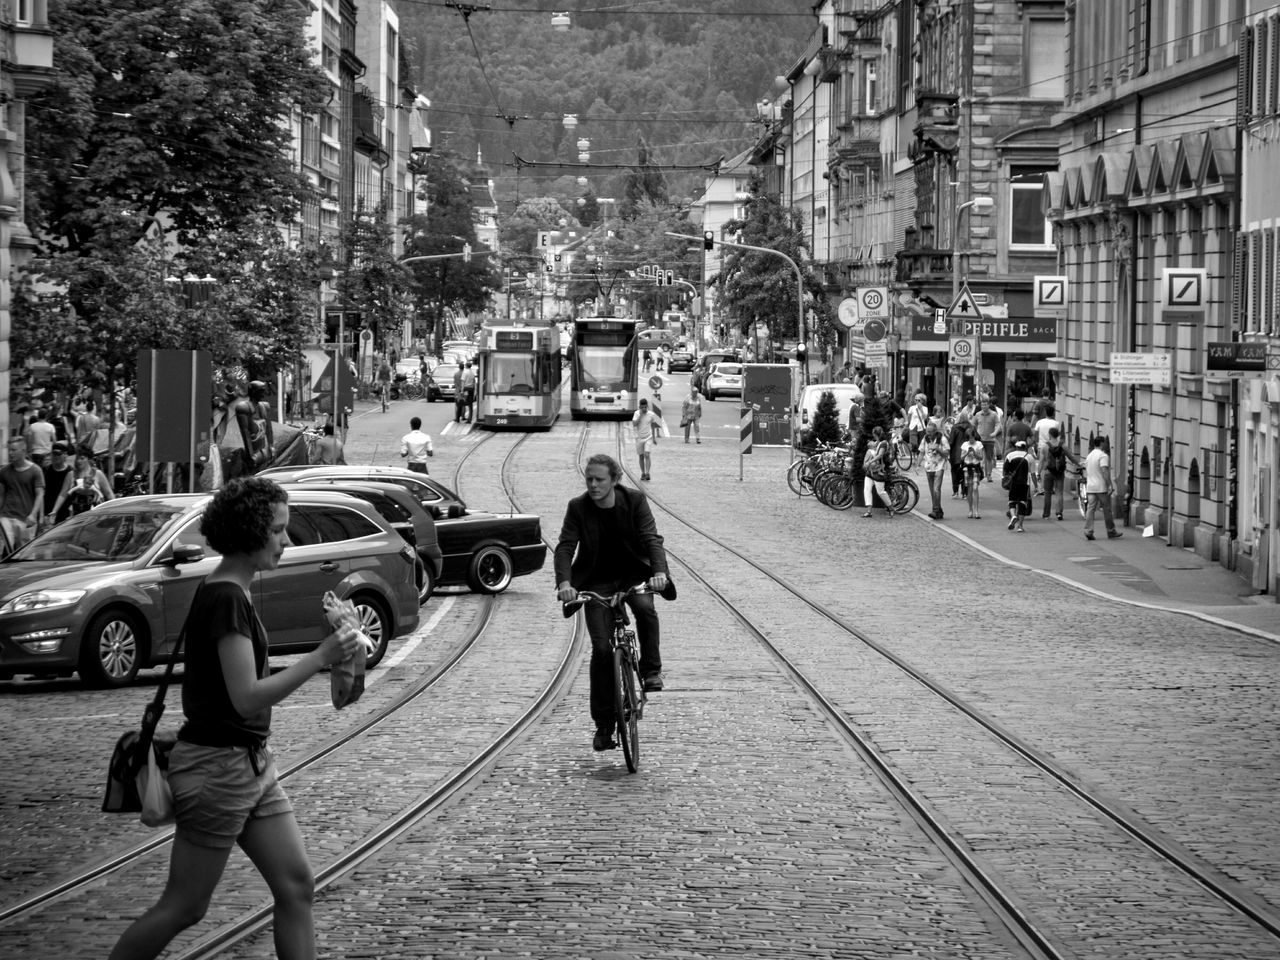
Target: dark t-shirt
<point>21,488</point>
<point>53,481</point>
<point>219,609</point>
<point>1020,430</point>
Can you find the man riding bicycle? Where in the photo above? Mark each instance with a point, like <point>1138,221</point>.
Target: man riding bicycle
<point>609,542</point>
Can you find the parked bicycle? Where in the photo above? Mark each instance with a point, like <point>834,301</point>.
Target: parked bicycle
<point>628,692</point>
<point>801,473</point>
<point>901,450</point>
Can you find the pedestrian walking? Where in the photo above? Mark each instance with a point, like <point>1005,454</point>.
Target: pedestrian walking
<point>1053,472</point>
<point>648,360</point>
<point>416,446</point>
<point>40,436</point>
<point>1041,428</point>
<point>645,423</point>
<point>328,449</point>
<point>845,373</point>
<point>221,771</point>
<point>959,434</point>
<point>58,476</point>
<point>691,414</point>
<point>917,417</point>
<point>875,468</point>
<point>86,488</point>
<point>659,422</point>
<point>468,390</point>
<point>972,458</point>
<point>1099,487</point>
<point>22,489</point>
<point>609,542</point>
<point>987,424</point>
<point>937,456</point>
<point>1015,477</point>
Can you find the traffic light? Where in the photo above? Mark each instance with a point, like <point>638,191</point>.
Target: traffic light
<point>708,240</point>
<point>466,253</point>
<point>801,353</point>
<point>671,278</point>
<point>723,331</point>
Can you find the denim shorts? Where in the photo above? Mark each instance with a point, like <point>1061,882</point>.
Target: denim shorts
<point>218,790</point>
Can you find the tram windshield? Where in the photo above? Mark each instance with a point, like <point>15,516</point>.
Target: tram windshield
<point>605,368</point>
<point>516,373</point>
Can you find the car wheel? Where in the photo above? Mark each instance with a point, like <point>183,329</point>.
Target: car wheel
<point>490,570</point>
<point>426,580</point>
<point>111,650</point>
<point>376,625</point>
<point>711,396</point>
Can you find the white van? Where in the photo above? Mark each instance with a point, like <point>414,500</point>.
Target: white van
<point>845,394</point>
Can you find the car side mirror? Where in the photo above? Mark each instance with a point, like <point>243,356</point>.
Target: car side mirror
<point>456,511</point>
<point>186,553</point>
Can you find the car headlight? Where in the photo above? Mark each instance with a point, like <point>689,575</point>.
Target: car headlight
<point>42,600</point>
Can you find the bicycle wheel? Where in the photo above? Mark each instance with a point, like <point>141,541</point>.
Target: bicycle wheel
<point>840,492</point>
<point>795,478</point>
<point>821,484</point>
<point>904,456</point>
<point>903,494</point>
<point>627,703</point>
<point>412,391</point>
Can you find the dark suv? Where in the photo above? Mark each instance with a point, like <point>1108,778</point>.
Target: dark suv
<point>712,357</point>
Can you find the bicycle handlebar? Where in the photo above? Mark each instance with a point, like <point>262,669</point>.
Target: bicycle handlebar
<point>570,607</point>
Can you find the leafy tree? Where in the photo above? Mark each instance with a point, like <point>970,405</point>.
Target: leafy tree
<point>643,184</point>
<point>372,278</point>
<point>875,413</point>
<point>161,146</point>
<point>519,232</point>
<point>760,286</point>
<point>448,224</point>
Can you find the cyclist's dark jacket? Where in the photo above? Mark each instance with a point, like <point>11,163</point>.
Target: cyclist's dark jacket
<point>636,550</point>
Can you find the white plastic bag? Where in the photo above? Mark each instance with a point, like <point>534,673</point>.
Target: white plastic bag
<point>346,678</point>
<point>157,798</point>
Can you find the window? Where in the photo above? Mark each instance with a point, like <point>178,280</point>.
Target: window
<point>870,88</point>
<point>329,524</point>
<point>22,12</point>
<point>1027,224</point>
<point>1044,59</point>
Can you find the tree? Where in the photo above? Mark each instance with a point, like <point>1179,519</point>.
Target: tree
<point>643,184</point>
<point>449,223</point>
<point>162,147</point>
<point>372,281</point>
<point>760,286</point>
<point>826,427</point>
<point>875,413</point>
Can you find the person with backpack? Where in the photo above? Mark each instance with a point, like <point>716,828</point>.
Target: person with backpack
<point>1015,477</point>
<point>1053,475</point>
<point>875,469</point>
<point>972,460</point>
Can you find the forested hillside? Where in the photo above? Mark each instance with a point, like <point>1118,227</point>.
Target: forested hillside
<point>684,75</point>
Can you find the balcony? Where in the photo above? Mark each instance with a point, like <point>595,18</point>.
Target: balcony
<point>28,57</point>
<point>857,140</point>
<point>920,262</point>
<point>937,129</point>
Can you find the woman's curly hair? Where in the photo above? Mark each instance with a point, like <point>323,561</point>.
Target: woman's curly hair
<point>238,519</point>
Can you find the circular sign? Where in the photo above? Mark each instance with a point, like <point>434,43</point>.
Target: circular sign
<point>655,382</point>
<point>848,312</point>
<point>874,331</point>
<point>872,300</point>
<point>962,348</point>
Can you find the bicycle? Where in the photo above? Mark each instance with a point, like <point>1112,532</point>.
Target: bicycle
<point>384,393</point>
<point>902,453</point>
<point>802,472</point>
<point>628,692</point>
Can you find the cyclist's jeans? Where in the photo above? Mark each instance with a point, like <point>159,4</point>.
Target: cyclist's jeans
<point>600,626</point>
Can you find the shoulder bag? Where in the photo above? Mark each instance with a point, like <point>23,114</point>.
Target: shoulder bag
<point>138,774</point>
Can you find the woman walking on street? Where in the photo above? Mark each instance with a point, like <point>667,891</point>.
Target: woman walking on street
<point>936,460</point>
<point>875,467</point>
<point>959,433</point>
<point>221,770</point>
<point>972,456</point>
<point>691,414</point>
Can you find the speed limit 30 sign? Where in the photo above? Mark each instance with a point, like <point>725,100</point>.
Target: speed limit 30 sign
<point>963,350</point>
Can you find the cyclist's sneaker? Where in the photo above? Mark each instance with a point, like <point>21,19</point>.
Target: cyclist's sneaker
<point>653,682</point>
<point>603,739</point>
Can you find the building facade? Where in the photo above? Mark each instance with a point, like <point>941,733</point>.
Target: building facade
<point>1148,180</point>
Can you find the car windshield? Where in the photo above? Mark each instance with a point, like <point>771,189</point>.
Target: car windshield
<point>728,369</point>
<point>100,535</point>
<point>445,371</point>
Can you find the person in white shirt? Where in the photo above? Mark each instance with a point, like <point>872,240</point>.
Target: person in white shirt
<point>40,436</point>
<point>645,423</point>
<point>917,418</point>
<point>416,445</point>
<point>1099,489</point>
<point>1042,428</point>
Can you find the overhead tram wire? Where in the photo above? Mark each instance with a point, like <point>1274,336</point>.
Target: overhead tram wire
<point>622,10</point>
<point>466,10</point>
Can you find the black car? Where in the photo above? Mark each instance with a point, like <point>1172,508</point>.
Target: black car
<point>409,519</point>
<point>681,358</point>
<point>484,551</point>
<point>712,357</point>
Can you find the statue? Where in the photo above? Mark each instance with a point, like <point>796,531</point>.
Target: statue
<point>252,416</point>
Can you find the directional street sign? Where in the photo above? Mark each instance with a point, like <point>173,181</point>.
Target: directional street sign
<point>964,307</point>
<point>1184,289</point>
<point>876,354</point>
<point>1149,369</point>
<point>874,331</point>
<point>1049,297</point>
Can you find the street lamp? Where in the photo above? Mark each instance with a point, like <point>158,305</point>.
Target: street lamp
<point>560,21</point>
<point>570,121</point>
<point>977,203</point>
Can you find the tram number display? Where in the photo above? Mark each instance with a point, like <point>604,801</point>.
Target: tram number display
<point>514,340</point>
<point>500,421</point>
<point>603,338</point>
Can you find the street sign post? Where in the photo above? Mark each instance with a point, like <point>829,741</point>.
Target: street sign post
<point>1147,369</point>
<point>873,304</point>
<point>963,351</point>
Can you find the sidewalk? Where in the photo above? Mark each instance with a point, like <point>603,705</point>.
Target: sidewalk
<point>1142,571</point>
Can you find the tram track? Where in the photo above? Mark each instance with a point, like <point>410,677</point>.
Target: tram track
<point>349,749</point>
<point>1013,909</point>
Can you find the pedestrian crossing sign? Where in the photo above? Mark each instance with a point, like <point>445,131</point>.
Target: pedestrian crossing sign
<point>964,307</point>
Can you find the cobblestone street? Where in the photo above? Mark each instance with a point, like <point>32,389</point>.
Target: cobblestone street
<point>752,828</point>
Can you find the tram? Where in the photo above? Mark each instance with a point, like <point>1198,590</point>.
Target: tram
<point>604,368</point>
<point>679,325</point>
<point>519,380</point>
